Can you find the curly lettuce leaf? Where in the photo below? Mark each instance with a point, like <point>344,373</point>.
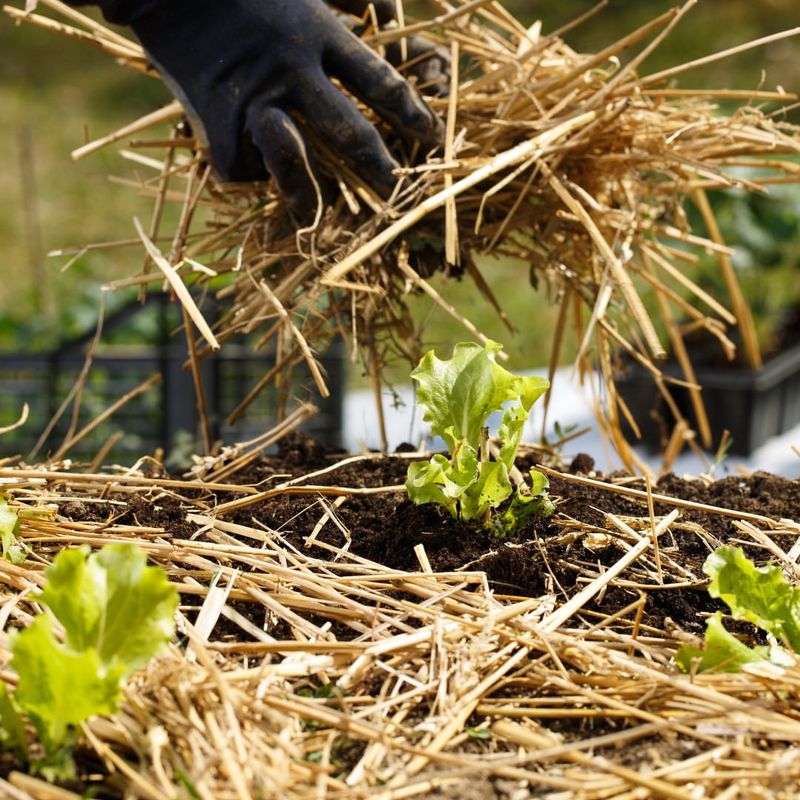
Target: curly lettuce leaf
<point>529,389</point>
<point>487,491</point>
<point>116,613</point>
<point>59,687</point>
<point>760,595</point>
<point>460,394</point>
<point>425,483</point>
<point>461,471</point>
<point>540,483</point>
<point>466,487</point>
<point>12,729</point>
<point>112,602</point>
<point>527,504</point>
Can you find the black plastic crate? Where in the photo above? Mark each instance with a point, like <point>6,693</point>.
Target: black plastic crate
<point>166,414</point>
<point>754,405</point>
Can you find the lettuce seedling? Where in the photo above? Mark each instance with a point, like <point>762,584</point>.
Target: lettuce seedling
<point>760,595</point>
<point>458,396</point>
<point>116,613</point>
<point>9,524</point>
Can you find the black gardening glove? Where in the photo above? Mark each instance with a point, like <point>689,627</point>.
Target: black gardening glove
<point>254,76</point>
<point>428,63</point>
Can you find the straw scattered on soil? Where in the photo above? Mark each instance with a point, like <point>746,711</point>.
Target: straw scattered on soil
<point>582,165</point>
<point>314,673</point>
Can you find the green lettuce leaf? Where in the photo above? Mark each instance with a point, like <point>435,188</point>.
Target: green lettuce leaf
<point>487,491</point>
<point>112,602</point>
<point>12,729</point>
<point>540,483</point>
<point>525,505</point>
<point>723,652</point>
<point>116,613</point>
<point>425,483</point>
<point>529,390</point>
<point>59,687</point>
<point>760,595</point>
<point>461,471</point>
<point>467,487</point>
<point>459,394</point>
<point>9,523</point>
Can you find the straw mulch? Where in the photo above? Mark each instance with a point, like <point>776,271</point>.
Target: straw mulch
<point>377,683</point>
<point>580,164</point>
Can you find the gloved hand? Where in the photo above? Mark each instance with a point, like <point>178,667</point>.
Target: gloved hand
<point>255,78</point>
<point>429,64</point>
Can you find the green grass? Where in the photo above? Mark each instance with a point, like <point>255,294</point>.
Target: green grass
<point>708,27</point>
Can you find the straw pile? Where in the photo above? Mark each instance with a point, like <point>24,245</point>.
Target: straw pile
<point>377,683</point>
<point>580,164</point>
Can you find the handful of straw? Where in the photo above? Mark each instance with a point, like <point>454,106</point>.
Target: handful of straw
<point>579,164</point>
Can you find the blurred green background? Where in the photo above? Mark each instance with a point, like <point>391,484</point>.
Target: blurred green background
<point>54,93</point>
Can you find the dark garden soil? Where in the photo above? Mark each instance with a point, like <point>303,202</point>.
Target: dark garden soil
<point>547,555</point>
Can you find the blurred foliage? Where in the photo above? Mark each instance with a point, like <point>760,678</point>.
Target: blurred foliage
<point>764,231</point>
<point>56,93</point>
<point>711,26</point>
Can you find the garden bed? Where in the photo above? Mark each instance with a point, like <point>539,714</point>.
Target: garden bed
<point>336,641</point>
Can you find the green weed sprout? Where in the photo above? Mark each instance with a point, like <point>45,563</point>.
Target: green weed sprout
<point>116,613</point>
<point>458,397</point>
<point>760,595</point>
